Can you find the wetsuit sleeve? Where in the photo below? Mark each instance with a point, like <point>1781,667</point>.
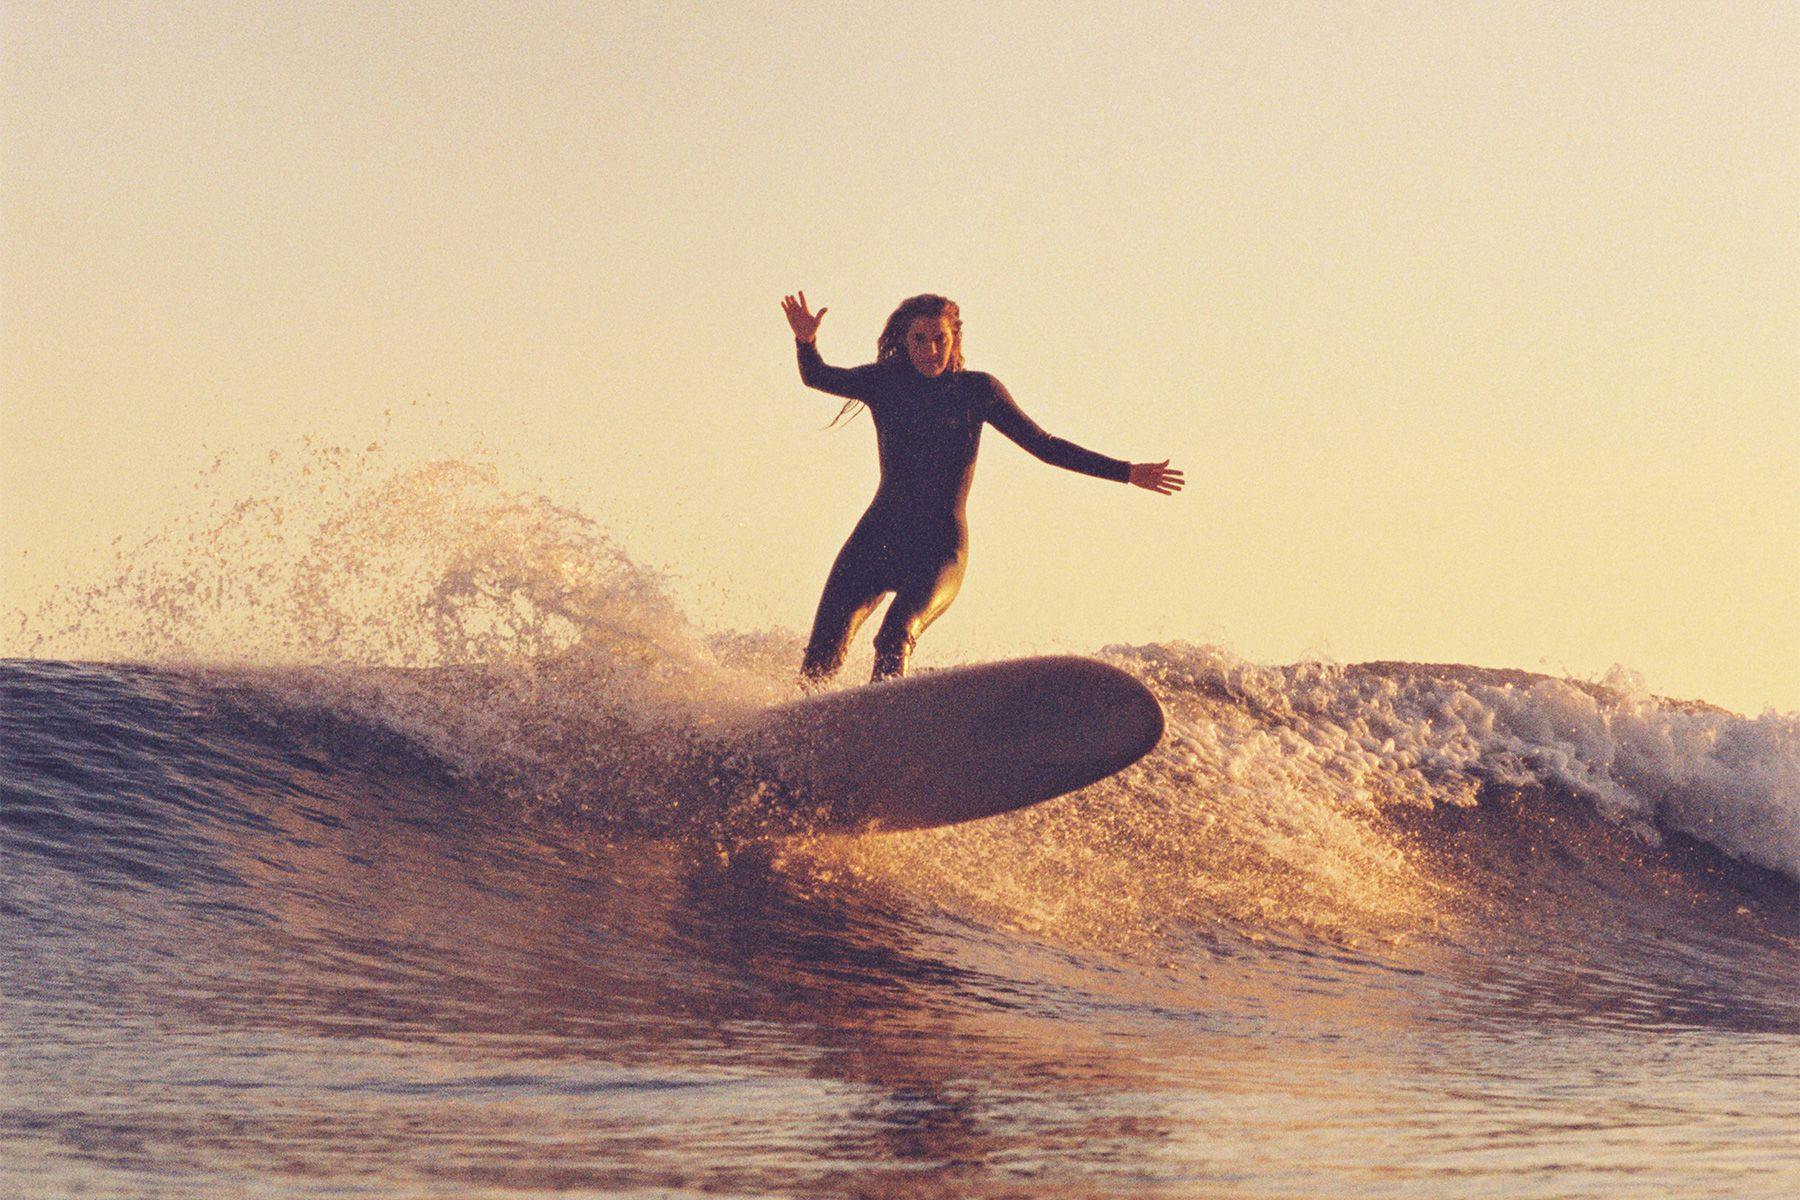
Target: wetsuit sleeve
<point>852,383</point>
<point>1005,415</point>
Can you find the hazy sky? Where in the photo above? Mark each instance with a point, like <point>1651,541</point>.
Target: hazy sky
<point>1475,327</point>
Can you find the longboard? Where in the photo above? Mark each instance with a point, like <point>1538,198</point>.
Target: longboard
<point>952,745</point>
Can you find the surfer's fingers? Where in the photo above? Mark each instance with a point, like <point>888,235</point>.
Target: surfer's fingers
<point>1166,482</point>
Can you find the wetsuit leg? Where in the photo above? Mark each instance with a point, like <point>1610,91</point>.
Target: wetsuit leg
<point>854,587</point>
<point>923,595</point>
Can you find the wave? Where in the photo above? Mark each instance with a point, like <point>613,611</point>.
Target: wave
<point>1317,797</point>
<point>497,657</point>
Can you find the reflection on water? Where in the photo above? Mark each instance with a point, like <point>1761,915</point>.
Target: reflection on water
<point>281,984</point>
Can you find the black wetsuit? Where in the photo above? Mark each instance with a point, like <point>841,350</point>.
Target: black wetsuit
<point>914,538</point>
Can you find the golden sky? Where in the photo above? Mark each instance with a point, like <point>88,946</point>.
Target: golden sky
<point>1476,327</point>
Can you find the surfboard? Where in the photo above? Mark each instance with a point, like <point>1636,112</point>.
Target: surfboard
<point>949,746</point>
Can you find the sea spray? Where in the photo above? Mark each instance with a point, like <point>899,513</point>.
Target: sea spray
<point>509,635</point>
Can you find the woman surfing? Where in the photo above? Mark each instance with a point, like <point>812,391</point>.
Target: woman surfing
<point>913,540</point>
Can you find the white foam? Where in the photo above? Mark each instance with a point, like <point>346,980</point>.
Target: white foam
<point>1424,734</point>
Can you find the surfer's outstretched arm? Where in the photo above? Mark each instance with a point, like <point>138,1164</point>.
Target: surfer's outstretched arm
<point>852,383</point>
<point>1005,415</point>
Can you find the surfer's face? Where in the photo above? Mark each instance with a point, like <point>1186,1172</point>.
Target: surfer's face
<point>929,341</point>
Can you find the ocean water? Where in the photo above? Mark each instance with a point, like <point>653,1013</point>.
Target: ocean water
<point>341,862</point>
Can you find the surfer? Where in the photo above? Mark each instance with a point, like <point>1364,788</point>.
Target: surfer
<point>913,540</point>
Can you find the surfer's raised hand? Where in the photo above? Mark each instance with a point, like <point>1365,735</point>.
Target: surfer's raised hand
<point>1158,477</point>
<point>803,322</point>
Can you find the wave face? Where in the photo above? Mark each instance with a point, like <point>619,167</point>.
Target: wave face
<point>398,865</point>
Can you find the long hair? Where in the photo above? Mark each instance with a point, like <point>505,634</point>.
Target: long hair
<point>891,344</point>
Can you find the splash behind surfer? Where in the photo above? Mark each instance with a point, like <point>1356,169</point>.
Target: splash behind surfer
<point>913,540</point>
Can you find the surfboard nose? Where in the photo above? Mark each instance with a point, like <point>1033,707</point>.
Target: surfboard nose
<point>1080,714</point>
